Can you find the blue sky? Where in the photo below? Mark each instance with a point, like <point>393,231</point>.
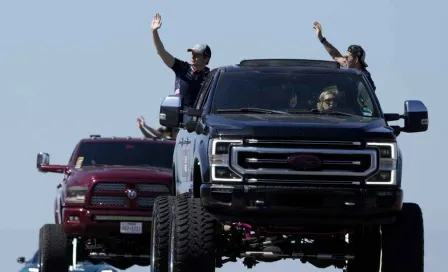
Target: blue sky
<point>69,69</point>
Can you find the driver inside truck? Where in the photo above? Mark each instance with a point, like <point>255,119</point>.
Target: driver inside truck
<point>279,96</point>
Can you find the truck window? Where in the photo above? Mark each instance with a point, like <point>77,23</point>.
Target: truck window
<point>365,100</point>
<point>125,153</point>
<point>35,259</point>
<point>293,91</point>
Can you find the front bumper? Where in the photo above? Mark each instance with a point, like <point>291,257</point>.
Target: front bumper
<point>102,223</point>
<point>291,205</point>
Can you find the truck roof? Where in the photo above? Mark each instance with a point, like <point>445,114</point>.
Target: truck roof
<point>290,65</point>
<point>308,70</point>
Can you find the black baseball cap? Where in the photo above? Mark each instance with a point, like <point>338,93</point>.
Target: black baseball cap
<point>358,51</point>
<point>201,48</point>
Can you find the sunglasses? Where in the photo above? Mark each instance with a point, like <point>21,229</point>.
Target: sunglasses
<point>329,100</point>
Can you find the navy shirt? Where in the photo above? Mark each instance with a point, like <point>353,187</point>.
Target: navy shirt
<point>369,78</point>
<point>188,81</point>
<point>367,74</point>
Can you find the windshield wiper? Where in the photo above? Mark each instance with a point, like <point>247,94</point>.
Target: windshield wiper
<point>254,110</point>
<point>316,111</point>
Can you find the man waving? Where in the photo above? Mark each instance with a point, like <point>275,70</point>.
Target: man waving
<point>189,76</point>
<point>354,58</point>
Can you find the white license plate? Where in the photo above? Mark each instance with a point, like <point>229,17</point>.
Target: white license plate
<point>131,227</point>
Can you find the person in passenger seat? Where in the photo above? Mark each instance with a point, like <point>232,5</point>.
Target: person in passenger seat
<point>328,98</point>
<point>354,57</point>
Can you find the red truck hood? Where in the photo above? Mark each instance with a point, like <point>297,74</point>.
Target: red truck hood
<point>85,175</point>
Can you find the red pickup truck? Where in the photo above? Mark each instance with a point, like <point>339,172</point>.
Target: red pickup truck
<point>103,207</point>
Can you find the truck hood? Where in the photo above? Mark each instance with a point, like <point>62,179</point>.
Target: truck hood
<point>85,175</point>
<point>300,126</point>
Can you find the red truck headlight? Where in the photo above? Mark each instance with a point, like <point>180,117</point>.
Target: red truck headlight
<point>76,194</point>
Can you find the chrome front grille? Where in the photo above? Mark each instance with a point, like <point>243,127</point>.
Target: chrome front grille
<point>338,161</point>
<point>114,195</point>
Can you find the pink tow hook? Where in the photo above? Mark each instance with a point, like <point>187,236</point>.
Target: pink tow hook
<point>245,226</point>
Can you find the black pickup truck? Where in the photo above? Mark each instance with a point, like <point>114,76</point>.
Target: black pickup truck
<point>288,159</point>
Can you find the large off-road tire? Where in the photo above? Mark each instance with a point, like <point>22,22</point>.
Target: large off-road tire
<point>54,249</point>
<point>193,237</point>
<point>403,241</point>
<point>160,232</point>
<point>367,249</point>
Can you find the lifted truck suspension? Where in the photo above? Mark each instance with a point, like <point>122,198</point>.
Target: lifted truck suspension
<point>99,252</point>
<point>267,246</point>
<point>105,256</point>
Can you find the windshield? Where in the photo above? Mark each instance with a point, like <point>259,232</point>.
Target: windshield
<point>34,259</point>
<point>294,93</point>
<point>125,153</point>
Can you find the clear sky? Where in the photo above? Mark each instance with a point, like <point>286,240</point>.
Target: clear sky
<point>69,69</point>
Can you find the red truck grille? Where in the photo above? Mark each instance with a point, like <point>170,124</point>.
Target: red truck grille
<point>119,195</point>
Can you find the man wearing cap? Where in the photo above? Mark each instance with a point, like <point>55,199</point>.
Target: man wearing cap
<point>354,58</point>
<point>189,76</point>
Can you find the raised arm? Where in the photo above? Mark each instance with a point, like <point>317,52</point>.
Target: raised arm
<point>149,132</point>
<point>332,51</point>
<point>146,130</point>
<point>166,57</point>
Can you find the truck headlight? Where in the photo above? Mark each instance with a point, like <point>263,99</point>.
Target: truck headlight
<point>387,175</point>
<point>219,160</point>
<point>76,194</point>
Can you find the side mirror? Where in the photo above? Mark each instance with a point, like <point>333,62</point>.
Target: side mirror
<point>415,116</point>
<point>43,164</point>
<point>171,113</point>
<point>392,117</point>
<point>21,260</point>
<point>191,126</point>
<point>43,159</point>
<point>194,112</point>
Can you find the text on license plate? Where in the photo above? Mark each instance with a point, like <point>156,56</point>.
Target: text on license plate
<point>131,227</point>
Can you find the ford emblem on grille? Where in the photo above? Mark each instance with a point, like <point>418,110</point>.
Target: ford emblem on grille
<point>304,162</point>
<point>131,193</point>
